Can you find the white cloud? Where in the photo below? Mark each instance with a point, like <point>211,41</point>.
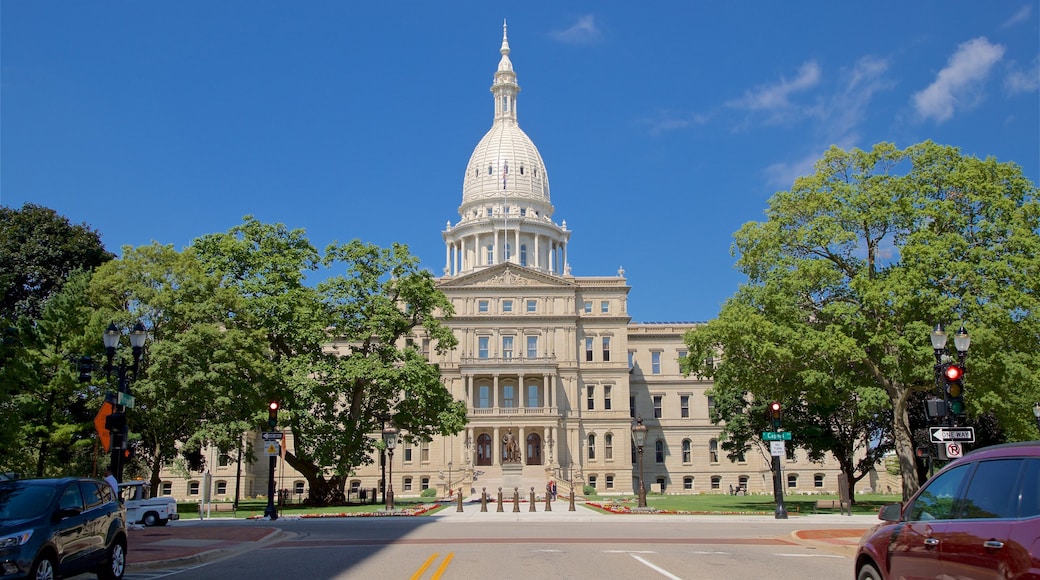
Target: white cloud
<point>672,121</point>
<point>1027,81</point>
<point>584,31</point>
<point>775,99</point>
<point>1021,16</point>
<point>956,87</point>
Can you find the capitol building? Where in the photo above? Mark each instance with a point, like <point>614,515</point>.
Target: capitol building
<point>546,358</point>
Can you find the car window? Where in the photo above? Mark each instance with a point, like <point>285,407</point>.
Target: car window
<point>993,490</point>
<point>107,494</point>
<point>21,502</point>
<point>936,500</point>
<point>71,498</point>
<point>1030,504</point>
<point>91,494</point>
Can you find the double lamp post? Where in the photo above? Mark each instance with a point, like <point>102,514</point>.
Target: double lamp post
<point>116,422</point>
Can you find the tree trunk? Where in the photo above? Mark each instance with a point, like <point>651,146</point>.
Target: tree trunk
<point>321,491</point>
<point>156,465</point>
<point>904,441</point>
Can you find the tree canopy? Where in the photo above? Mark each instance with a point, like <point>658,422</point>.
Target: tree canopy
<point>852,268</point>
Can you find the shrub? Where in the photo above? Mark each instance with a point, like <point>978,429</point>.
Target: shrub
<point>428,492</point>
<point>588,490</point>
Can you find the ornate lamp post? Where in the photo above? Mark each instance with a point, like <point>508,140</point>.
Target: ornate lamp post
<point>116,422</point>
<point>1036,413</point>
<point>948,373</point>
<point>390,438</point>
<point>639,439</point>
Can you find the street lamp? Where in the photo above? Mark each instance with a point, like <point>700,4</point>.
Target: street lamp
<point>390,438</point>
<point>639,438</point>
<point>116,422</point>
<point>949,375</point>
<point>1036,412</point>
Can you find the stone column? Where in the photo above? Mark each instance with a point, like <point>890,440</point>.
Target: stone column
<point>496,448</point>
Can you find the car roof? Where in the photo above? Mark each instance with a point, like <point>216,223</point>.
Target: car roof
<point>49,481</point>
<point>1018,449</point>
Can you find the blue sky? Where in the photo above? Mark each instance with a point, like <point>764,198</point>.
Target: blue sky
<point>664,126</point>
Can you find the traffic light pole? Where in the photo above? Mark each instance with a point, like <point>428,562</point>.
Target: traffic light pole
<point>271,511</point>
<point>778,490</point>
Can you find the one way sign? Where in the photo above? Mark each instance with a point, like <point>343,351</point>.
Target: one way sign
<point>944,434</point>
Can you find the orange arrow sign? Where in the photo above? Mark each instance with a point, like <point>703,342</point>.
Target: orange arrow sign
<point>99,424</point>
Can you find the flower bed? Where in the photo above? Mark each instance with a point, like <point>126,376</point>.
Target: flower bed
<point>618,508</point>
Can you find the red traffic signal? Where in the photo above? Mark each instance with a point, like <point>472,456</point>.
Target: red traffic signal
<point>272,414</point>
<point>953,372</point>
<point>273,406</point>
<point>776,414</point>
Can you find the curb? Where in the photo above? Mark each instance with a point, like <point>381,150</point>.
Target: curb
<point>208,555</point>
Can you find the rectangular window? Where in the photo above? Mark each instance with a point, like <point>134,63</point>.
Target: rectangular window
<point>482,306</point>
<point>484,397</point>
<point>684,406</point>
<point>532,306</point>
<point>608,447</point>
<point>631,360</point>
<point>657,406</point>
<point>507,347</point>
<point>632,406</point>
<point>588,307</point>
<point>424,452</point>
<point>655,363</point>
<point>407,452</point>
<point>167,488</point>
<point>532,347</point>
<point>408,484</point>
<point>588,349</point>
<point>604,307</point>
<point>483,343</point>
<point>507,306</point>
<point>606,348</point>
<point>425,483</point>
<point>606,397</point>
<point>711,402</point>
<point>508,396</point>
<point>610,482</point>
<point>590,391</point>
<point>532,396</point>
<point>592,481</point>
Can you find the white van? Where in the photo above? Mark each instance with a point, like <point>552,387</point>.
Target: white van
<point>156,511</point>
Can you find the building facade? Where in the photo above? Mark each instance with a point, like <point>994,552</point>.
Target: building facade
<point>545,358</point>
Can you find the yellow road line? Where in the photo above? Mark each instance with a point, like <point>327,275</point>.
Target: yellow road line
<point>440,569</point>
<point>425,565</point>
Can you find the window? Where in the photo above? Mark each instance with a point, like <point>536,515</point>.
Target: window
<point>167,488</point>
<point>523,247</point>
<point>657,406</point>
<point>592,480</point>
<point>604,307</point>
<point>655,363</point>
<point>193,488</point>
<point>687,451</point>
<point>606,397</point>
<point>716,482</point>
<point>610,482</point>
<point>298,487</point>
<point>408,484</point>
<point>588,306</point>
<point>789,451</point>
<point>713,450</point>
<point>631,360</point>
<point>508,396</point>
<point>660,483</point>
<point>507,306</point>
<point>936,501</point>
<point>993,491</point>
<point>682,355</point>
<point>608,446</point>
<point>482,306</point>
<point>424,483</point>
<point>507,347</point>
<point>484,397</point>
<point>509,248</point>
<point>483,343</point>
<point>532,306</point>
<point>632,406</point>
<point>407,455</point>
<point>588,348</point>
<point>711,402</point>
<point>590,394</point>
<point>687,483</point>
<point>818,480</point>
<point>223,460</point>
<point>532,396</point>
<point>424,452</point>
<point>532,347</point>
<point>684,406</point>
<point>742,483</point>
<point>659,451</point>
<point>592,446</point>
<point>490,248</point>
<point>606,348</point>
<point>221,487</point>
<point>792,480</point>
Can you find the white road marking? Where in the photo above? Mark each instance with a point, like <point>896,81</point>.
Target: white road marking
<point>657,569</point>
<point>809,555</point>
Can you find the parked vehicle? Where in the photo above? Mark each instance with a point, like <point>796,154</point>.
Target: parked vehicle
<point>141,509</point>
<point>61,527</point>
<point>977,518</point>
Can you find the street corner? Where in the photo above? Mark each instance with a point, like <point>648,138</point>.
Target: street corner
<point>165,546</point>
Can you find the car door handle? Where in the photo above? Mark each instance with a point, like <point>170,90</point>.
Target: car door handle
<point>931,542</point>
<point>995,544</point>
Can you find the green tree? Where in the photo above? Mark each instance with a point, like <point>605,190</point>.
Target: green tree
<point>858,261</point>
<point>38,250</point>
<point>205,368</point>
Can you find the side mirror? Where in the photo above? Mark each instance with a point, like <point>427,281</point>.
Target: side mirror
<point>63,513</point>
<point>890,512</point>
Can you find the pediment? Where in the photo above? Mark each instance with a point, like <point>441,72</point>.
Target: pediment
<point>505,276</point>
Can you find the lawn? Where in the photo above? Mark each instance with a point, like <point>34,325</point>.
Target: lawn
<point>740,504</point>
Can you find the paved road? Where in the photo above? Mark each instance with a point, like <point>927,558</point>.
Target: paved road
<point>558,544</point>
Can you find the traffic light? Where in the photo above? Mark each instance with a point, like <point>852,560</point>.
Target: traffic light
<point>272,414</point>
<point>84,366</point>
<point>953,377</point>
<point>116,422</point>
<point>776,415</point>
<point>128,453</point>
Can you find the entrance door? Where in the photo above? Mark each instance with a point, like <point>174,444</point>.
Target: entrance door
<point>484,449</point>
<point>534,449</point>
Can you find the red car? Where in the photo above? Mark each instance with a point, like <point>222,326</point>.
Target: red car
<point>977,518</point>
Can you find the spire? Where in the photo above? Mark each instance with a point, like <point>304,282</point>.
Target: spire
<point>505,88</point>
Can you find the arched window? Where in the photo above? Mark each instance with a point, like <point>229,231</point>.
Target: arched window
<point>608,446</point>
<point>716,482</point>
<point>659,451</point>
<point>484,449</point>
<point>687,483</point>
<point>221,487</point>
<point>713,450</point>
<point>491,170</point>
<point>792,480</point>
<point>534,449</point>
<point>686,451</point>
<point>592,446</point>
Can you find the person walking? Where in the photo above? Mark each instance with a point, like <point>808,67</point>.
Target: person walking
<point>111,480</point>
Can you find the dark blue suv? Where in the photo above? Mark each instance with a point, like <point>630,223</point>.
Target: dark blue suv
<point>60,527</point>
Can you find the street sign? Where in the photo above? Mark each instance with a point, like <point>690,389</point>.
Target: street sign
<point>273,449</point>
<point>271,435</point>
<point>776,449</point>
<point>99,423</point>
<point>125,399</point>
<point>953,450</point>
<point>776,436</point>
<point>945,434</point>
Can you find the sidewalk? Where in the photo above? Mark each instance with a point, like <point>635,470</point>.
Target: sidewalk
<point>182,543</point>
